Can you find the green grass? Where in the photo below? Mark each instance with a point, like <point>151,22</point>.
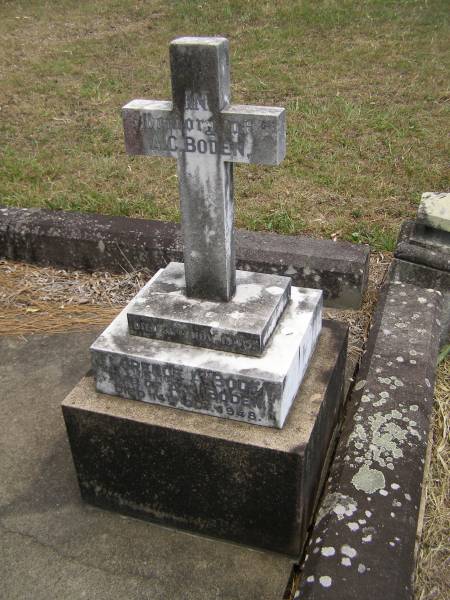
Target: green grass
<point>363,81</point>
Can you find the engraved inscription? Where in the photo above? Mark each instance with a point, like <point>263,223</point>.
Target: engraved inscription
<point>201,390</point>
<point>192,334</point>
<point>169,133</point>
<point>195,101</point>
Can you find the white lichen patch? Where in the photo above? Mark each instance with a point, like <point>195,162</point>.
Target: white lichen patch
<point>353,526</point>
<point>274,290</point>
<point>348,551</point>
<point>377,441</point>
<point>360,385</point>
<point>325,581</point>
<point>368,480</point>
<point>346,562</point>
<point>338,505</point>
<point>328,551</point>
<point>247,292</point>
<point>237,315</point>
<point>361,568</point>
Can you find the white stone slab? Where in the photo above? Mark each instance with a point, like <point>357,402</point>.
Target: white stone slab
<point>242,325</point>
<point>434,210</point>
<point>258,390</point>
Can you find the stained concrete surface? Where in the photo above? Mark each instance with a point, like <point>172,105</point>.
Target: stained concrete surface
<point>55,547</point>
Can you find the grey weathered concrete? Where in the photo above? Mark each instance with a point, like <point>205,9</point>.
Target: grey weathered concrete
<point>95,242</point>
<point>53,546</point>
<point>425,263</point>
<point>243,325</point>
<point>249,484</point>
<point>363,543</point>
<point>421,245</point>
<point>206,134</point>
<point>259,390</point>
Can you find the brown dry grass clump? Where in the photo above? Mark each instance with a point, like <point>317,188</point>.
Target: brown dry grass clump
<point>36,299</point>
<point>359,321</point>
<point>433,570</point>
<point>46,300</point>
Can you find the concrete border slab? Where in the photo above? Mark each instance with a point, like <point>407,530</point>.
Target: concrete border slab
<point>97,242</point>
<point>426,266</point>
<point>364,539</point>
<point>426,254</point>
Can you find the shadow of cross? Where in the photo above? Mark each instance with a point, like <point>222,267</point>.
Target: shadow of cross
<point>206,134</point>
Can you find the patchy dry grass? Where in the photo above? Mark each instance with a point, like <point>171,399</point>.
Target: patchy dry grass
<point>47,300</point>
<point>364,82</point>
<point>433,573</point>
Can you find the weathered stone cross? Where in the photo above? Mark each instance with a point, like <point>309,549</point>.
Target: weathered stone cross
<point>206,134</point>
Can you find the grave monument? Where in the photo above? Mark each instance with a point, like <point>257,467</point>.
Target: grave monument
<point>220,344</point>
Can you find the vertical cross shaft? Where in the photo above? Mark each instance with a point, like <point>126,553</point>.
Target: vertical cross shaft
<point>201,90</point>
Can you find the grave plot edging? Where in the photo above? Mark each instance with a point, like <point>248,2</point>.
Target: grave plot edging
<point>409,251</point>
<point>97,242</point>
<point>364,540</point>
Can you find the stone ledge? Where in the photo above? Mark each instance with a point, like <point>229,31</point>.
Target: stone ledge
<point>424,265</point>
<point>94,242</point>
<point>242,325</point>
<point>410,248</point>
<point>362,545</point>
<point>258,390</point>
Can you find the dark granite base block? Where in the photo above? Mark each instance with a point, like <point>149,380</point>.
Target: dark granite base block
<point>248,484</point>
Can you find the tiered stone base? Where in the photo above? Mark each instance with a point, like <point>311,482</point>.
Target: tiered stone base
<point>255,389</point>
<point>254,485</point>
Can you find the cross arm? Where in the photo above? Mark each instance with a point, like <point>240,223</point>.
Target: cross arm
<point>247,134</point>
<point>149,126</point>
<point>257,133</point>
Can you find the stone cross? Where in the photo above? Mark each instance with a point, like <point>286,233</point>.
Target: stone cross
<point>207,135</point>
